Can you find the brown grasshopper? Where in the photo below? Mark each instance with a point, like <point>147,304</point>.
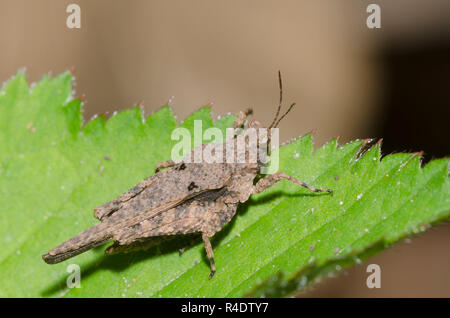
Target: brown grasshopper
<point>183,199</point>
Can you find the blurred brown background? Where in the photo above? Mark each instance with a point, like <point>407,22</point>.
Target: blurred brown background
<point>347,80</point>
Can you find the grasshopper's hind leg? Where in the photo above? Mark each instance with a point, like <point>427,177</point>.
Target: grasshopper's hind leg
<point>210,253</point>
<point>270,180</point>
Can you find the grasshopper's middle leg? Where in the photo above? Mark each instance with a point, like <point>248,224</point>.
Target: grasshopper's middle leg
<point>142,245</point>
<point>210,253</point>
<point>270,180</point>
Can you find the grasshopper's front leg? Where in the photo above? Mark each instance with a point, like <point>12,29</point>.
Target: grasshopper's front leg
<point>210,253</point>
<point>270,180</point>
<point>241,117</point>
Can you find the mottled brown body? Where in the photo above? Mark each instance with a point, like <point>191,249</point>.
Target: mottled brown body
<point>185,198</point>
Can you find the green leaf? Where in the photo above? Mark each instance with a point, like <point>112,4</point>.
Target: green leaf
<point>54,171</point>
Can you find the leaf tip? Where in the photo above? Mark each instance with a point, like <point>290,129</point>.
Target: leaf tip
<point>170,101</point>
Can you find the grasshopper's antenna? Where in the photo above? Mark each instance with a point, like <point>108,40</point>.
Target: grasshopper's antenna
<point>290,107</point>
<point>281,100</point>
<point>276,121</point>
